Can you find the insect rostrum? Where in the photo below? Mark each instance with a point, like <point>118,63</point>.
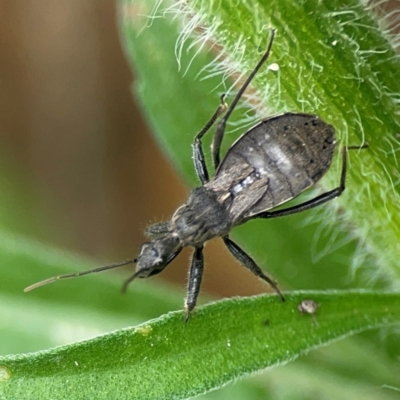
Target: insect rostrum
<point>270,164</point>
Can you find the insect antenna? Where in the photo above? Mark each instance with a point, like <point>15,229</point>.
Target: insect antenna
<point>67,276</point>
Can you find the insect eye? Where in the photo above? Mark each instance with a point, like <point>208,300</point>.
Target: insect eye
<point>157,257</point>
<point>149,250</point>
<point>153,253</point>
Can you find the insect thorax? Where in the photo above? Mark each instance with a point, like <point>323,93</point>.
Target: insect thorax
<point>201,218</point>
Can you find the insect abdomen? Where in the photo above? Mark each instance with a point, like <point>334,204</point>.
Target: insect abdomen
<point>292,150</point>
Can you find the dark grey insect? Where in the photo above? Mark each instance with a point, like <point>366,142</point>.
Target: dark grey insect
<point>269,165</point>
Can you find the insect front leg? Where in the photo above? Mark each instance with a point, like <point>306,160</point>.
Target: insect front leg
<point>250,264</point>
<point>198,153</point>
<point>195,277</point>
<point>321,199</point>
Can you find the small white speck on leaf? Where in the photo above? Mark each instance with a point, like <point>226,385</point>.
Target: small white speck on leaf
<point>144,330</point>
<point>273,67</point>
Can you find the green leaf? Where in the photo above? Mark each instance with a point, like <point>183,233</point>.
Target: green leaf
<point>339,66</point>
<point>166,358</point>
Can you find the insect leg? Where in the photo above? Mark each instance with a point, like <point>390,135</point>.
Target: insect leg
<point>198,154</point>
<point>219,133</point>
<point>323,198</point>
<point>250,264</point>
<point>195,276</point>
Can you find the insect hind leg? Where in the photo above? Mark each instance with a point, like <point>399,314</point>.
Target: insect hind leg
<point>321,199</point>
<point>250,264</point>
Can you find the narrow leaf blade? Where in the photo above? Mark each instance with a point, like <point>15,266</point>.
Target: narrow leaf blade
<point>167,358</point>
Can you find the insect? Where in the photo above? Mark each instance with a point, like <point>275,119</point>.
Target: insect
<point>270,164</point>
<point>308,307</point>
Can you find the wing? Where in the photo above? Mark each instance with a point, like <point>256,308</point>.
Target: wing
<point>274,162</point>
<point>238,187</point>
